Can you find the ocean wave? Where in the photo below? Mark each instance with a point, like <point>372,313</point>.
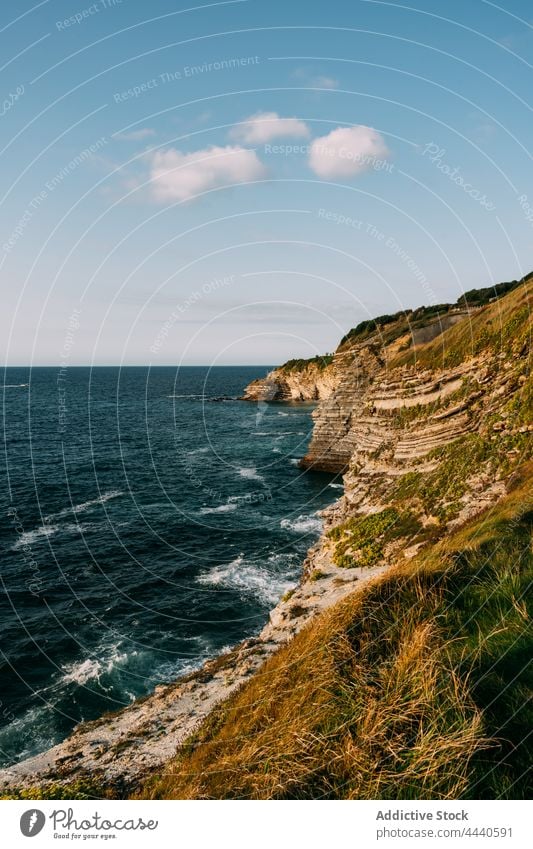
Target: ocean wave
<point>336,485</point>
<point>248,578</point>
<point>285,433</point>
<point>251,474</point>
<point>303,524</point>
<point>85,505</point>
<point>29,537</point>
<point>44,531</point>
<point>222,508</point>
<point>91,669</point>
<point>14,385</point>
<point>294,461</point>
<point>34,731</point>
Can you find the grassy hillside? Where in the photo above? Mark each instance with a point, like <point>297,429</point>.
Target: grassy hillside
<point>502,327</point>
<point>393,325</point>
<point>417,686</point>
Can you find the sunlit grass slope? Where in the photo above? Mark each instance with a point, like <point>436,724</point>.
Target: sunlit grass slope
<point>416,686</point>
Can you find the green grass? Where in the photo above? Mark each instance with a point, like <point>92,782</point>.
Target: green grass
<point>82,789</point>
<point>439,492</point>
<point>502,327</point>
<point>321,361</point>
<point>361,540</point>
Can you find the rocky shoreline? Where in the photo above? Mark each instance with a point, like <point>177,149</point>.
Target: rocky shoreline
<point>118,751</point>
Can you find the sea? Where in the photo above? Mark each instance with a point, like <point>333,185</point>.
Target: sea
<point>150,521</point>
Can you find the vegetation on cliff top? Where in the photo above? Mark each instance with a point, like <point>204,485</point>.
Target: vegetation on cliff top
<point>414,687</point>
<point>409,320</point>
<point>404,320</point>
<point>321,361</point>
<point>393,325</point>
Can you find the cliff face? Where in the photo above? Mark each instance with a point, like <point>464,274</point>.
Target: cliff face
<point>400,412</point>
<point>372,397</point>
<point>311,380</point>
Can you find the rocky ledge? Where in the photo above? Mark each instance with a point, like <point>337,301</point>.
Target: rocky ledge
<point>297,380</point>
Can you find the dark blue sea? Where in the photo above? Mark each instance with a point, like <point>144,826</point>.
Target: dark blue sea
<point>150,521</point>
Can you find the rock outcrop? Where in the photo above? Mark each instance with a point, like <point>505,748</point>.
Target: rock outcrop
<point>308,380</point>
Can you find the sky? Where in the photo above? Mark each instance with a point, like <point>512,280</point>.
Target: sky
<point>244,181</point>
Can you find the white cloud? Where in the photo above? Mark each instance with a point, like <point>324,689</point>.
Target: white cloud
<point>325,82</point>
<point>136,135</point>
<point>312,80</point>
<point>265,126</point>
<point>347,152</point>
<point>181,176</point>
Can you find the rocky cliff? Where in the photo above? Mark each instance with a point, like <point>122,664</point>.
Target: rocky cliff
<point>297,380</point>
<point>415,683</point>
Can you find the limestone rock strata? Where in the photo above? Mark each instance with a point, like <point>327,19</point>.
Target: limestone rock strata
<point>374,409</point>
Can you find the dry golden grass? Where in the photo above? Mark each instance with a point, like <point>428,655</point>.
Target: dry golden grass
<point>503,326</point>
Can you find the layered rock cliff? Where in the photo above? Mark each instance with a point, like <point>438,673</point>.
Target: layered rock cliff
<point>297,380</point>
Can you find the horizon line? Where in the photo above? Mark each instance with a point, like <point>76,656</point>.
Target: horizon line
<point>141,365</point>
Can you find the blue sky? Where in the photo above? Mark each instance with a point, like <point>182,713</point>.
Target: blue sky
<point>243,182</point>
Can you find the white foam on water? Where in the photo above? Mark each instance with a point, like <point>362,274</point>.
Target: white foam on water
<point>251,474</point>
<point>303,524</point>
<point>29,537</point>
<point>92,669</point>
<point>336,485</point>
<point>14,385</point>
<point>32,732</point>
<point>85,505</point>
<point>37,534</point>
<point>285,433</point>
<point>222,508</point>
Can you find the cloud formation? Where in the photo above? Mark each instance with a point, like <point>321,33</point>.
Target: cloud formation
<point>181,176</point>
<point>325,82</point>
<point>136,135</point>
<point>306,76</point>
<point>265,126</point>
<point>347,152</point>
